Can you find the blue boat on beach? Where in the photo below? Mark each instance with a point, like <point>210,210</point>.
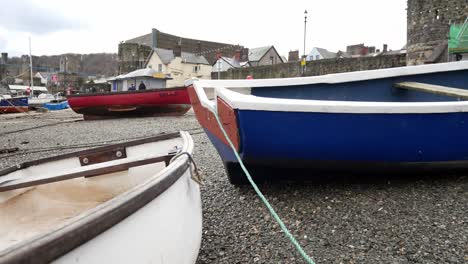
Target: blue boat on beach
<point>52,106</point>
<point>10,104</point>
<point>397,120</point>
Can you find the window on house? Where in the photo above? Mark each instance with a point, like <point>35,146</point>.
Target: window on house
<point>271,59</point>
<point>160,68</point>
<point>317,57</point>
<point>196,68</point>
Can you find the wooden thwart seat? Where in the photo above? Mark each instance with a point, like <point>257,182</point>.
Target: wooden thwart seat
<point>86,171</point>
<point>434,89</point>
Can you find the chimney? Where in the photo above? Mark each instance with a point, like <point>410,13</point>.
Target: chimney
<point>218,54</point>
<point>385,47</point>
<point>154,37</point>
<point>293,55</point>
<point>4,59</point>
<point>198,50</point>
<point>178,51</point>
<point>237,55</point>
<point>245,54</point>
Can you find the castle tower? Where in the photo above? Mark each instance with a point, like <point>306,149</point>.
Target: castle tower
<point>428,24</point>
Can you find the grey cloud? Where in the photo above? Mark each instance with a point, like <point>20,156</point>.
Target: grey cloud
<point>27,16</point>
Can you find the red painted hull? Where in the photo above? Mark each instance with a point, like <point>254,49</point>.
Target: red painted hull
<point>154,102</point>
<point>13,109</point>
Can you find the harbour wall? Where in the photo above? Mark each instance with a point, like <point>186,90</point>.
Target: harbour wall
<point>314,68</point>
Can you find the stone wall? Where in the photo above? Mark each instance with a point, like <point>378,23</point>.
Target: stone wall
<point>206,48</point>
<point>314,68</point>
<point>142,46</point>
<point>132,56</point>
<point>428,24</point>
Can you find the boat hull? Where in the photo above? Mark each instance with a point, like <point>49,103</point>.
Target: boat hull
<point>56,106</point>
<point>159,220</point>
<point>172,235</point>
<point>295,128</point>
<point>154,102</point>
<point>14,105</point>
<point>410,145</point>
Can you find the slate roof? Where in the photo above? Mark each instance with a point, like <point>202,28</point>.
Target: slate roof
<point>146,40</point>
<point>167,56</point>
<point>256,54</point>
<point>326,54</point>
<point>230,61</point>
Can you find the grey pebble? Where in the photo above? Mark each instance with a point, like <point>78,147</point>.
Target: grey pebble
<point>418,215</point>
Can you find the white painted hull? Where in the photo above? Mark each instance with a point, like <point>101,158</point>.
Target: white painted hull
<point>167,230</point>
<point>57,210</point>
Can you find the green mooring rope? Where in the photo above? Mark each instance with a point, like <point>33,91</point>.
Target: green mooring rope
<point>262,197</point>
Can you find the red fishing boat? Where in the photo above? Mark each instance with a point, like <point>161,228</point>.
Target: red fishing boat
<point>152,98</point>
<point>154,102</point>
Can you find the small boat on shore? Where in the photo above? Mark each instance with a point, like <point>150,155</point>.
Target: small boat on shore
<point>133,202</point>
<point>397,120</point>
<point>11,104</point>
<point>139,93</point>
<point>55,105</point>
<point>152,102</point>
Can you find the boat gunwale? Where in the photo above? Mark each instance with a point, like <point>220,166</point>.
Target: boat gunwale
<point>333,78</point>
<point>126,92</point>
<point>48,246</point>
<point>27,164</point>
<point>250,102</point>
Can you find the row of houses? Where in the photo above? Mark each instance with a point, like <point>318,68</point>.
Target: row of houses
<point>181,65</point>
<point>185,65</point>
<point>352,51</point>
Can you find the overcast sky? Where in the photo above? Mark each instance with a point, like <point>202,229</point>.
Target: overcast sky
<point>92,26</point>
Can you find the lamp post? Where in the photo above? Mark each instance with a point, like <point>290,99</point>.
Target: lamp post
<point>305,26</point>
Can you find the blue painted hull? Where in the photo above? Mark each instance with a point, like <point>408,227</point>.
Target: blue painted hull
<point>21,101</point>
<point>57,106</point>
<point>354,137</point>
<point>349,143</point>
<point>14,105</point>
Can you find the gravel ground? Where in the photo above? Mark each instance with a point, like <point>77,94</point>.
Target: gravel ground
<point>389,220</point>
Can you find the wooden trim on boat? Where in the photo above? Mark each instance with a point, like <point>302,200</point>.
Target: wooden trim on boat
<point>47,247</point>
<point>24,182</point>
<point>88,152</point>
<point>433,89</point>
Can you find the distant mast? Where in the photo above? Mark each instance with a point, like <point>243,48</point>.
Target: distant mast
<point>30,66</point>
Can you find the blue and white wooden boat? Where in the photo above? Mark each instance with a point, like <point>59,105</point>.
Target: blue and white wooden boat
<point>355,122</point>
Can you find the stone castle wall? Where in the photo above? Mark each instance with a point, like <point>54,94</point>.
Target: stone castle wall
<point>314,68</point>
<point>428,24</point>
<point>134,52</point>
<point>132,56</point>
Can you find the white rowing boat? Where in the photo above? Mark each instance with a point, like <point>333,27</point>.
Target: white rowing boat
<point>134,202</point>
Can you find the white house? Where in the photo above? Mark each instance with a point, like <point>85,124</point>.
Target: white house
<point>320,54</point>
<point>225,63</point>
<point>179,65</point>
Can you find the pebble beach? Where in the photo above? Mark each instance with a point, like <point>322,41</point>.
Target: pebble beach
<point>381,219</point>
